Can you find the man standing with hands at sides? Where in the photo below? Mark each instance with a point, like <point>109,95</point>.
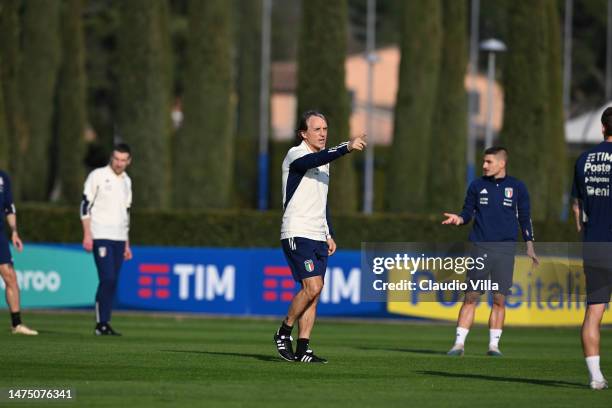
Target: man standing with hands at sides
<point>592,209</point>
<point>499,205</point>
<point>306,234</point>
<point>107,198</point>
<point>6,260</point>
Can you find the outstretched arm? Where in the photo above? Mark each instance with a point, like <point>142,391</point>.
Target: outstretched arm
<point>312,160</point>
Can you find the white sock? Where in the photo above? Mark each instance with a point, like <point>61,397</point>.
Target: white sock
<point>461,335</point>
<point>594,370</point>
<point>494,336</point>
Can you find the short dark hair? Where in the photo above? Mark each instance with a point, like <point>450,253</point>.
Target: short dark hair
<point>303,123</point>
<point>497,150</point>
<point>122,148</point>
<point>606,121</point>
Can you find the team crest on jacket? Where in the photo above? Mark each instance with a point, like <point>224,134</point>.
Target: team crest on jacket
<point>508,192</point>
<point>309,265</point>
<point>102,252</point>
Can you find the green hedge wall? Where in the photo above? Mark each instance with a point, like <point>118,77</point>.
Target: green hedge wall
<point>242,228</point>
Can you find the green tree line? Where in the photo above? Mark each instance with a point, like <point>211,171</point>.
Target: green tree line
<point>71,68</point>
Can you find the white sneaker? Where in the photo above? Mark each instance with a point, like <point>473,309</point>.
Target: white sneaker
<point>25,330</point>
<point>599,385</point>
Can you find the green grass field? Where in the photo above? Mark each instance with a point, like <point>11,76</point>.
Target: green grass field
<point>173,361</point>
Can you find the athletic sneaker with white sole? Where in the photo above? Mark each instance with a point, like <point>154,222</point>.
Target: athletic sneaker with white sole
<point>598,385</point>
<point>105,329</point>
<point>310,357</point>
<point>23,329</point>
<point>457,350</point>
<point>284,346</point>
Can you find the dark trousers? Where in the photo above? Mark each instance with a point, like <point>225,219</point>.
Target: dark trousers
<point>109,258</point>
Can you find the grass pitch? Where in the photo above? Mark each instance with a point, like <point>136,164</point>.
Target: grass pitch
<point>170,361</point>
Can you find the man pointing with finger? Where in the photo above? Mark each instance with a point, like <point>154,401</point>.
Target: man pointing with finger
<point>307,236</point>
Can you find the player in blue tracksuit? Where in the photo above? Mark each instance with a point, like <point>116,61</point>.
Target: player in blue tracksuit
<point>499,205</point>
<point>306,233</point>
<point>7,272</point>
<point>593,212</point>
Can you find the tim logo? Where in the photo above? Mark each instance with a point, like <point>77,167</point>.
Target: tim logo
<point>278,284</point>
<point>153,281</point>
<point>339,287</point>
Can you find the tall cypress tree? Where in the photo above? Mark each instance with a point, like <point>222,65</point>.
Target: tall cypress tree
<point>144,110</point>
<point>71,115</point>
<point>15,123</point>
<point>447,163</point>
<point>203,160</point>
<point>39,68</point>
<point>527,101</point>
<point>556,149</point>
<point>247,132</point>
<point>416,96</point>
<point>321,86</point>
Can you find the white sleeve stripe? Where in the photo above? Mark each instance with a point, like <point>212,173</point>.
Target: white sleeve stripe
<point>341,145</point>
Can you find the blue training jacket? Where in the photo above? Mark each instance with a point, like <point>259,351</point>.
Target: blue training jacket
<point>592,176</point>
<point>498,207</point>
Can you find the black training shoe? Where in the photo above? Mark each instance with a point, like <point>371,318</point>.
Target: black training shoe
<point>105,330</point>
<point>310,357</point>
<point>284,347</point>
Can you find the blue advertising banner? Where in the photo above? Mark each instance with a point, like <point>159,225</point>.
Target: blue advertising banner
<point>234,281</point>
<point>207,280</point>
<point>187,280</point>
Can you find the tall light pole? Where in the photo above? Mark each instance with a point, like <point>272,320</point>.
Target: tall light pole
<point>368,173</point>
<point>491,46</point>
<point>264,105</point>
<point>472,97</point>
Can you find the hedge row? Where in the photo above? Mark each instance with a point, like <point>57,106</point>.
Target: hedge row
<point>240,228</point>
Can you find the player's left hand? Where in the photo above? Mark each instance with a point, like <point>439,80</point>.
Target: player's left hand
<point>331,246</point>
<point>531,253</point>
<point>577,217</point>
<point>127,253</point>
<point>17,241</point>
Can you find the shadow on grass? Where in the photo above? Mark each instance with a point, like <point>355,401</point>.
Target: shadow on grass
<point>548,383</point>
<point>405,350</point>
<point>260,357</point>
<point>58,333</point>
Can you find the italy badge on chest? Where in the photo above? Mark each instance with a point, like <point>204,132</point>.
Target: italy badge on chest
<point>508,192</point>
<point>309,265</point>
